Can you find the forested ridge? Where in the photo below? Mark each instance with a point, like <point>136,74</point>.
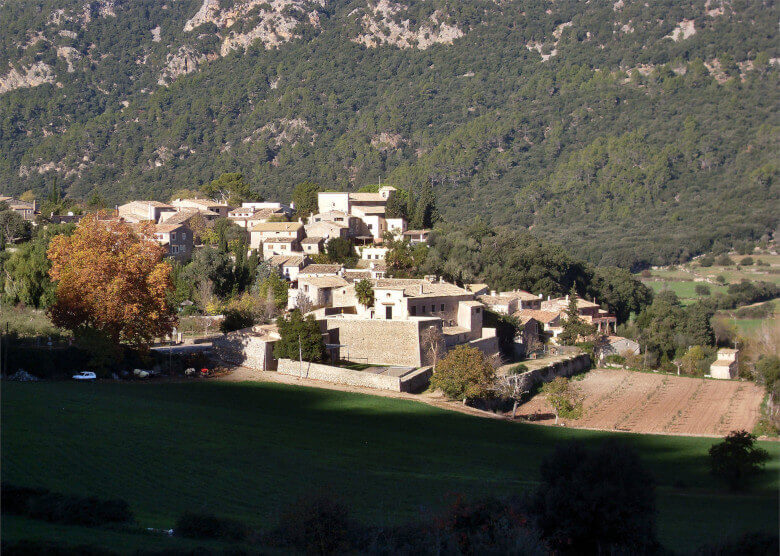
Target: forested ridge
<point>631,134</point>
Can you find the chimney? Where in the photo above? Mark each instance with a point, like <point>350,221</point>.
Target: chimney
<point>421,288</point>
<point>493,293</point>
<point>541,296</point>
<point>567,297</point>
<point>548,298</point>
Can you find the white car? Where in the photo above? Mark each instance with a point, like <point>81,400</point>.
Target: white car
<point>85,375</point>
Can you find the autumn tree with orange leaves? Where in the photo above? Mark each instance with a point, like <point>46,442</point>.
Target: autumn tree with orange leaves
<point>111,280</point>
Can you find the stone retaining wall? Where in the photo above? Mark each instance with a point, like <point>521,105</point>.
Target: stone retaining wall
<point>567,368</point>
<point>412,381</point>
<point>246,349</point>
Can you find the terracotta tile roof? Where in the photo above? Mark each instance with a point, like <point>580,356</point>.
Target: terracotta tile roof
<point>522,295</point>
<point>320,269</point>
<point>311,240</point>
<point>287,260</point>
<point>541,316</point>
<point>494,299</point>
<point>323,281</point>
<point>420,288</point>
<point>277,227</point>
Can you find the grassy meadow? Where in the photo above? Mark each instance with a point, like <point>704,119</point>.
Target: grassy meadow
<point>248,450</point>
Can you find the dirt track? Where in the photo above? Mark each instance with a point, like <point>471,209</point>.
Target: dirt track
<point>652,403</point>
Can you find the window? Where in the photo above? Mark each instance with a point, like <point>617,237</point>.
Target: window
<point>184,236</point>
<point>433,308</point>
<point>173,236</point>
<point>442,306</point>
<point>174,248</point>
<point>413,310</point>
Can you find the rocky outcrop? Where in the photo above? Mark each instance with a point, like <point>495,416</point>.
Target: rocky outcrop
<point>31,76</point>
<point>184,60</point>
<point>381,26</point>
<point>70,55</point>
<point>270,22</point>
<point>685,29</point>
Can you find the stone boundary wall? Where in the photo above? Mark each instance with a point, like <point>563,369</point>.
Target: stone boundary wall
<point>384,342</point>
<point>416,381</point>
<point>567,368</point>
<point>338,375</point>
<point>247,350</point>
<point>487,345</point>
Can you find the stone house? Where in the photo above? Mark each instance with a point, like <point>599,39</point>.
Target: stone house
<point>589,311</point>
<point>393,330</point>
<point>417,236</point>
<point>726,365</point>
<point>288,265</point>
<point>313,245</point>
<point>372,253</point>
<point>220,210</point>
<point>248,217</point>
<point>177,239</point>
<point>327,230</point>
<point>22,208</point>
<point>550,321</point>
<point>317,289</point>
<point>143,211</point>
<point>368,208</point>
<point>250,347</point>
<point>265,231</point>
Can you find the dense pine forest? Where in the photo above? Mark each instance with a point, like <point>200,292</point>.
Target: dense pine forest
<point>631,133</point>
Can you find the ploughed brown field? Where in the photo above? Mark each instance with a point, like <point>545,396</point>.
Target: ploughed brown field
<point>654,403</point>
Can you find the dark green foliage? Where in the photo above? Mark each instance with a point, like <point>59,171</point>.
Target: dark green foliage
<point>724,260</point>
<point>304,196</point>
<point>702,290</point>
<point>749,544</point>
<point>667,329</point>
<point>626,171</point>
<point>403,259</point>
<point>317,524</point>
<point>595,501</point>
<point>51,548</point>
<point>236,319</point>
<point>737,460</point>
<point>341,250</point>
<point>300,338</point>
<point>574,328</point>
<point>622,293</point>
<point>206,526</point>
<point>507,327</point>
<point>768,370</point>
<point>230,188</point>
<point>61,508</point>
<point>12,226</point>
<point>746,261</point>
<point>364,293</point>
<point>707,261</point>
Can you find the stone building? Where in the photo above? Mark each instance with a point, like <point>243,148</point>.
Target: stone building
<point>726,366</point>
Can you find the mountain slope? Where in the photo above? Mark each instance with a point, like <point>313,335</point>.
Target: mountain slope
<point>634,134</point>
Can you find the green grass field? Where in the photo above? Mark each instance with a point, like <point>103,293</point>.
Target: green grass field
<point>247,450</point>
<point>685,290</point>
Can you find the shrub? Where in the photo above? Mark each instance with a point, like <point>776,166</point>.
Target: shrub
<point>645,273</point>
<point>707,261</point>
<point>737,459</point>
<point>720,279</point>
<point>518,369</point>
<point>465,373</point>
<point>61,508</point>
<point>701,289</point>
<point>317,525</point>
<point>615,358</point>
<point>236,319</point>
<point>749,544</point>
<point>724,260</point>
<point>598,501</point>
<point>747,261</point>
<point>207,526</point>
<point>47,548</point>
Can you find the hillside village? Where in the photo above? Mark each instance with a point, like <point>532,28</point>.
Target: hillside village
<point>405,326</point>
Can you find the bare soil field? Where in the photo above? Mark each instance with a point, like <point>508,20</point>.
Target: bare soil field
<point>652,403</point>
